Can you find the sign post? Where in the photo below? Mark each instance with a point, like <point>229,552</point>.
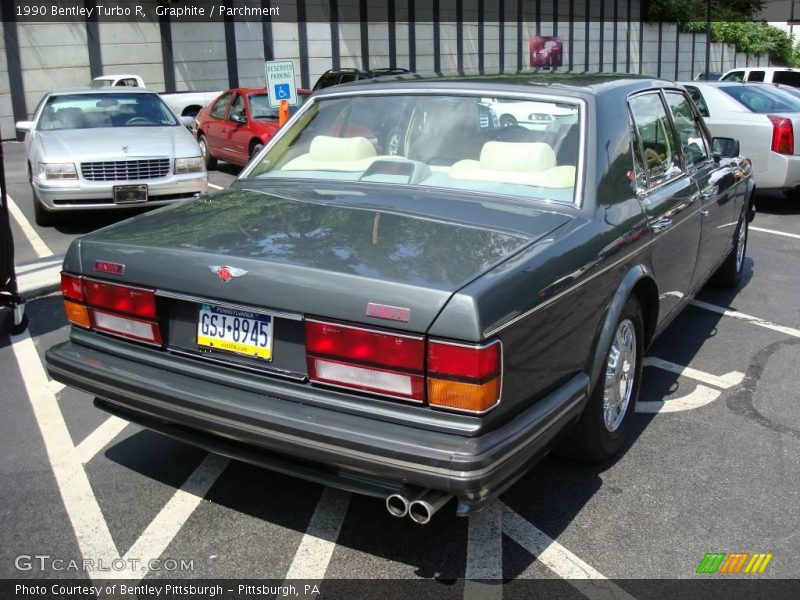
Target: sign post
<point>280,82</point>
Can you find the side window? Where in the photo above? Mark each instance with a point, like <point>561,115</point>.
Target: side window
<point>693,143</point>
<point>237,108</point>
<point>756,76</point>
<point>218,110</point>
<point>659,147</point>
<point>734,76</point>
<point>699,101</point>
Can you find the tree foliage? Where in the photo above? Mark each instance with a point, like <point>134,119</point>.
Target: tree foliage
<point>732,23</point>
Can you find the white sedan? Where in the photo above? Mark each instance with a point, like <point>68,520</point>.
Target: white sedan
<point>764,119</point>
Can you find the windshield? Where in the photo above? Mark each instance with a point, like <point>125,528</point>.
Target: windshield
<point>90,111</point>
<point>260,109</point>
<point>763,99</point>
<point>517,147</point>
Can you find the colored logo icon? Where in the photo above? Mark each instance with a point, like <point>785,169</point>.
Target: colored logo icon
<point>734,562</point>
<point>282,91</point>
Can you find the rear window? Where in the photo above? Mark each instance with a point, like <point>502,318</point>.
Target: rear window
<point>791,78</point>
<point>763,99</point>
<point>260,109</point>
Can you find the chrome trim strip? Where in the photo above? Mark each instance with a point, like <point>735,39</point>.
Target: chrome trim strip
<point>464,410</point>
<point>224,304</point>
<point>578,196</point>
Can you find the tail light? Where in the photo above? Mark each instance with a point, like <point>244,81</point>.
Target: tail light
<point>365,359</point>
<point>112,308</point>
<point>782,135</point>
<point>459,376</point>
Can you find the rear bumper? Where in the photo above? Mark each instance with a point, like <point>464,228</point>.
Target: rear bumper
<point>283,433</point>
<point>782,173</point>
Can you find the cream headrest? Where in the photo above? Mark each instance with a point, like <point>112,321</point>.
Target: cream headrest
<point>517,157</point>
<point>327,148</point>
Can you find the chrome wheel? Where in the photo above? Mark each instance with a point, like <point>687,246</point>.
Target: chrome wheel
<point>203,147</point>
<point>740,245</point>
<point>620,375</point>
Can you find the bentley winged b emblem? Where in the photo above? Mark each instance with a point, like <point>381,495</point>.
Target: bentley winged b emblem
<point>226,273</point>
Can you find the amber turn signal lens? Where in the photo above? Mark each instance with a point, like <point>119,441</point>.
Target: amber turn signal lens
<point>473,397</point>
<point>77,314</point>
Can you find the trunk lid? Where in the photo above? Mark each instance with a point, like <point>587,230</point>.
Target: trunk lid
<point>319,252</point>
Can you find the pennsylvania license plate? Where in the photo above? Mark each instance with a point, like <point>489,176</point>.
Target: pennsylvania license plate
<point>232,330</point>
<point>130,194</point>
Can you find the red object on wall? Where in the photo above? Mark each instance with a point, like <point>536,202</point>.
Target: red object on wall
<point>546,51</point>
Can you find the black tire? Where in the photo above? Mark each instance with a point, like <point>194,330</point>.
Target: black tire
<point>256,149</point>
<point>42,216</point>
<point>592,439</point>
<point>729,273</point>
<point>508,121</point>
<point>211,162</point>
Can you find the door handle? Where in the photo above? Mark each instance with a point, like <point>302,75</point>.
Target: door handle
<point>661,224</point>
<point>709,192</point>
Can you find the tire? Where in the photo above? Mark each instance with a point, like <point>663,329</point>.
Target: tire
<point>257,147</point>
<point>603,428</point>
<point>729,273</point>
<point>42,216</point>
<point>508,121</point>
<point>211,162</point>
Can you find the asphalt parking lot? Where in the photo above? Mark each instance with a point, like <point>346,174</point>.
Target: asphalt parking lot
<point>713,466</point>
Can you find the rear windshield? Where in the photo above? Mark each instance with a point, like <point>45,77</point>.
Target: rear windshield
<point>763,99</point>
<point>791,78</point>
<point>260,109</point>
<point>90,111</point>
<point>519,147</point>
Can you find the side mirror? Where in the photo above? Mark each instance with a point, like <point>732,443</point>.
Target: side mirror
<point>187,122</point>
<point>722,147</point>
<point>24,125</point>
<point>238,118</point>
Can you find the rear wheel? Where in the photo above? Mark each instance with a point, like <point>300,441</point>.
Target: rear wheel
<point>257,147</point>
<point>602,429</point>
<point>211,162</point>
<point>730,272</point>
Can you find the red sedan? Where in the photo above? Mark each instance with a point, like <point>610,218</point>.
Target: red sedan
<point>236,125</point>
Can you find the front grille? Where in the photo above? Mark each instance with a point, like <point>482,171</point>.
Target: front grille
<point>125,170</point>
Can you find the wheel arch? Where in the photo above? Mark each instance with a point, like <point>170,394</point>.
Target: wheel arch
<point>639,283</point>
<point>191,111</point>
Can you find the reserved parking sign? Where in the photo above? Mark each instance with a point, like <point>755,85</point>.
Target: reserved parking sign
<point>280,82</point>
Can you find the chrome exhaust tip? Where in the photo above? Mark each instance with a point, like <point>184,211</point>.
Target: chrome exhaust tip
<point>397,505</point>
<point>422,509</point>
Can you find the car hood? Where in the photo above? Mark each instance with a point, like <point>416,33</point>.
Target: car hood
<point>314,253</point>
<point>106,143</point>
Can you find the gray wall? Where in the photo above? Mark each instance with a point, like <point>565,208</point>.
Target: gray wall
<point>57,55</point>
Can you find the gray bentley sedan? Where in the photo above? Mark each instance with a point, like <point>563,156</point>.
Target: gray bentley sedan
<point>108,148</point>
<point>403,298</point>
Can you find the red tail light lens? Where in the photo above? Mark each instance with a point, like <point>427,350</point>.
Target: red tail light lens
<point>365,359</point>
<point>112,308</point>
<point>782,135</point>
<point>456,360</point>
<point>464,377</point>
<point>121,298</point>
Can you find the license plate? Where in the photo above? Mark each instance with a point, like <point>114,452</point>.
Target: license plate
<point>129,194</point>
<point>233,330</point>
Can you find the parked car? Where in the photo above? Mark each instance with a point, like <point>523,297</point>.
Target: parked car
<point>337,76</point>
<point>92,149</point>
<point>785,75</point>
<point>423,325</point>
<point>237,125</point>
<point>766,121</point>
<point>510,114</point>
<point>185,104</point>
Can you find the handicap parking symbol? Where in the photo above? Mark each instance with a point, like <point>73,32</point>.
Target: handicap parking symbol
<point>282,91</point>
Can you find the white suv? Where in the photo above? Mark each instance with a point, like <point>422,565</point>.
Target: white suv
<point>783,75</point>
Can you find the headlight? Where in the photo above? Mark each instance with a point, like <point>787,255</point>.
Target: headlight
<point>189,165</point>
<point>58,170</point>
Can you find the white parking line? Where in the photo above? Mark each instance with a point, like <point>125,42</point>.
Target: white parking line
<point>698,397</point>
<point>215,186</point>
<point>39,265</point>
<point>484,571</point>
<point>735,314</point>
<point>317,546</point>
<point>585,578</point>
<point>36,242</point>
<point>100,438</point>
<point>775,232</point>
<point>163,529</point>
<point>724,382</point>
<point>91,530</point>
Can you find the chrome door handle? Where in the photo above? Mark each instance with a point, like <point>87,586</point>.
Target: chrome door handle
<point>710,192</point>
<point>661,224</point>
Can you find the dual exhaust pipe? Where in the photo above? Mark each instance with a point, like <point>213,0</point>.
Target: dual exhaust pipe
<point>420,505</point>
